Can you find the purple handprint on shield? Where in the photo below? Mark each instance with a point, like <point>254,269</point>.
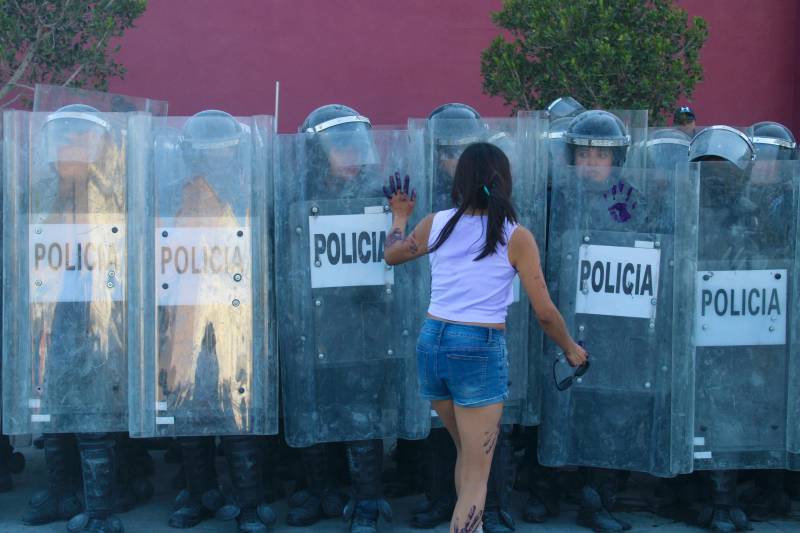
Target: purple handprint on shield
<point>622,205</point>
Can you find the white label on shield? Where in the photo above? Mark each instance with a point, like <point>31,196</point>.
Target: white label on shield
<point>76,262</point>
<point>741,308</point>
<point>618,281</point>
<point>205,265</point>
<point>347,250</point>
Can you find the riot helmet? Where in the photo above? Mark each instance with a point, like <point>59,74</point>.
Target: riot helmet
<point>75,134</point>
<point>666,148</point>
<point>773,141</point>
<point>556,145</point>
<point>566,106</point>
<point>597,141</point>
<point>722,143</point>
<point>453,127</point>
<point>211,142</point>
<point>343,137</point>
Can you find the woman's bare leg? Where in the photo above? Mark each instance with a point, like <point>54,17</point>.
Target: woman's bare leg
<point>478,429</point>
<point>444,408</point>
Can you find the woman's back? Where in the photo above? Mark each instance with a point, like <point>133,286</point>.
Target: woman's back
<point>462,289</point>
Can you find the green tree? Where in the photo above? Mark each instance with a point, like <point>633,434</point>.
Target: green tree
<point>634,54</point>
<point>66,42</point>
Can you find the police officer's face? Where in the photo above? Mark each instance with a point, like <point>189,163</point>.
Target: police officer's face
<point>342,162</point>
<point>594,162</point>
<point>76,154</point>
<point>448,160</point>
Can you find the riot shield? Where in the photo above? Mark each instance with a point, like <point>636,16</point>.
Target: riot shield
<point>66,272</point>
<point>746,309</point>
<point>52,97</point>
<point>619,266</point>
<point>205,358</point>
<point>523,139</point>
<point>348,321</point>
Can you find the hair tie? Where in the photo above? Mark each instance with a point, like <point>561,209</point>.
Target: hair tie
<point>486,190</point>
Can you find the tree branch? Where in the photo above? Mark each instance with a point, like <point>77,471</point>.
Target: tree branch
<point>23,66</point>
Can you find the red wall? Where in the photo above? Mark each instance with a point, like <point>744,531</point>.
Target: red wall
<point>394,59</point>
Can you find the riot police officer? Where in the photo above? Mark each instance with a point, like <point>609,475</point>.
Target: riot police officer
<point>206,382</point>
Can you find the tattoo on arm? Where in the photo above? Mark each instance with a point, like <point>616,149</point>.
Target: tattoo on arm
<point>397,236</point>
<point>490,439</point>
<point>471,524</point>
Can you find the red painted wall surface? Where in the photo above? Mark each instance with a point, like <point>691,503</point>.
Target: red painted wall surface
<point>394,59</point>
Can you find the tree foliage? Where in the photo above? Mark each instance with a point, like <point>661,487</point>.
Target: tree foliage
<point>66,42</point>
<point>634,54</point>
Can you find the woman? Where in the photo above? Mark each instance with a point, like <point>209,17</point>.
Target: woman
<point>475,250</point>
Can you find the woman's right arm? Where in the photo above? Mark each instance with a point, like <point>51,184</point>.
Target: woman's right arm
<point>523,253</point>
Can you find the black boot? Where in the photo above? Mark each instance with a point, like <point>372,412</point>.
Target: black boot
<point>404,479</point>
<point>58,501</point>
<point>792,484</point>
<point>440,464</point>
<point>202,497</point>
<point>319,499</point>
<point>245,462</point>
<point>367,505</point>
<point>598,496</point>
<point>768,497</point>
<point>273,491</point>
<point>724,513</point>
<point>133,486</point>
<point>98,463</point>
<point>496,516</point>
<point>544,492</point>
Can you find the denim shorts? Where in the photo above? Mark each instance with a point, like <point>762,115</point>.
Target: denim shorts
<point>467,364</point>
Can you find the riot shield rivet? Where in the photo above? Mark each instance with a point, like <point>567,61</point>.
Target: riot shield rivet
<point>237,277</point>
<point>111,273</point>
<point>241,390</point>
<point>671,262</point>
<point>581,327</point>
<point>777,276</point>
<point>317,263</point>
<point>586,238</point>
<point>110,284</point>
<point>405,333</point>
<point>239,233</point>
<point>302,338</point>
<point>657,244</point>
<point>235,303</point>
<point>705,326</point>
<point>653,301</point>
<point>164,233</point>
<point>38,231</point>
<point>318,303</point>
<point>165,286</point>
<point>314,210</point>
<point>38,283</point>
<point>569,257</point>
<point>114,229</point>
<point>772,328</point>
<point>652,325</point>
<point>298,230</point>
<point>390,352</point>
<point>321,356</point>
<point>647,385</point>
<point>385,208</point>
<point>664,368</point>
<point>388,290</point>
<point>579,380</point>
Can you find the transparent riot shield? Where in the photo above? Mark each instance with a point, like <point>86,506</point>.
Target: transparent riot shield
<point>203,336</point>
<point>746,305</point>
<point>64,230</point>
<point>348,322</point>
<point>53,97</point>
<point>619,266</point>
<point>523,139</point>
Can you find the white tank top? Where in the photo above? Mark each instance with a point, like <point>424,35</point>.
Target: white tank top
<point>465,290</point>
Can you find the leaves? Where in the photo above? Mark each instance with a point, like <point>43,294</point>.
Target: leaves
<point>635,54</point>
<point>62,41</point>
